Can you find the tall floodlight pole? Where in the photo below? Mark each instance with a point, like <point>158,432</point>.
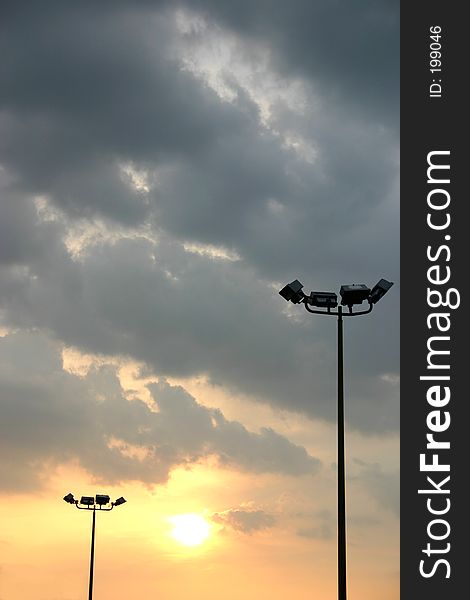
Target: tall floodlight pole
<point>103,503</point>
<point>92,556</point>
<point>341,467</point>
<point>351,295</point>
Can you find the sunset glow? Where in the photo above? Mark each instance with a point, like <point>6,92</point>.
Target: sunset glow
<point>190,529</point>
<point>165,168</point>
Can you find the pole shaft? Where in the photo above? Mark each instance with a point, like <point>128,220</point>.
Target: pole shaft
<point>92,557</point>
<point>341,467</point>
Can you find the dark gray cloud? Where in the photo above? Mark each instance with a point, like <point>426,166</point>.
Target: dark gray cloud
<point>122,97</point>
<point>20,240</point>
<point>83,90</point>
<point>351,49</point>
<point>50,417</point>
<point>91,88</point>
<point>185,316</point>
<point>244,521</point>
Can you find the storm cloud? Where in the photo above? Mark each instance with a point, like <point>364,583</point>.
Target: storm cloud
<point>164,169</point>
<point>50,417</point>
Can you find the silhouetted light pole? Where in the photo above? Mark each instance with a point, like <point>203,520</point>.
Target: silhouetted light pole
<point>103,503</point>
<point>351,295</point>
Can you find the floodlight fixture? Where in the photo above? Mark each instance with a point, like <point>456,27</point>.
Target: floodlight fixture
<point>379,290</point>
<point>323,299</point>
<point>87,500</point>
<point>119,501</point>
<point>355,293</point>
<point>292,292</point>
<point>102,499</point>
<point>69,498</point>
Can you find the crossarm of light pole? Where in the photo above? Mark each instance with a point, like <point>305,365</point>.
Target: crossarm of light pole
<point>94,507</point>
<point>344,314</point>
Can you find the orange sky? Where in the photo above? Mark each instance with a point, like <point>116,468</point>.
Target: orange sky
<point>45,548</point>
<point>45,542</point>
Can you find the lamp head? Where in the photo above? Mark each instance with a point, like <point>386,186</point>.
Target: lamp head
<point>119,501</point>
<point>101,499</point>
<point>355,293</point>
<point>379,290</point>
<point>323,299</point>
<point>292,292</point>
<point>69,498</point>
<point>87,500</point>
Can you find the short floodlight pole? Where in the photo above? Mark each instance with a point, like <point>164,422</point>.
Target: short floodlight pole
<point>91,503</point>
<point>351,295</point>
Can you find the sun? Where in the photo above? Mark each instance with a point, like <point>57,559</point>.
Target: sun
<point>190,529</point>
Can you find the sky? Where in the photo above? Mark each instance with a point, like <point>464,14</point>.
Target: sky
<point>165,168</point>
